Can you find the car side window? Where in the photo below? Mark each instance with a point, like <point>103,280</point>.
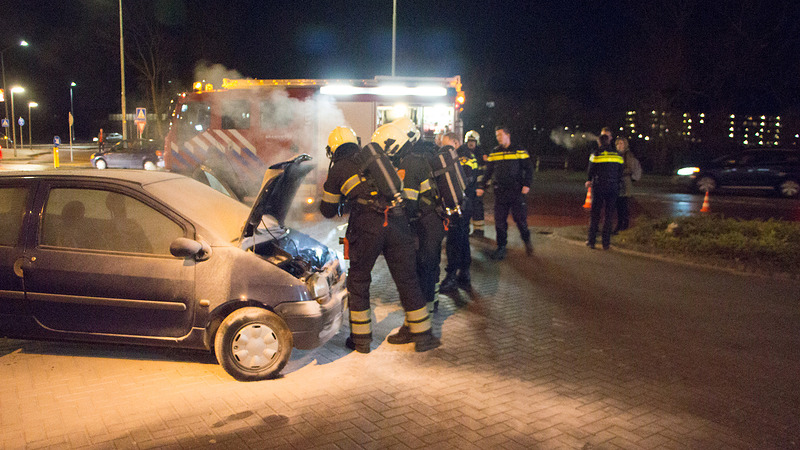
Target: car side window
<point>235,115</point>
<point>96,219</point>
<point>12,212</point>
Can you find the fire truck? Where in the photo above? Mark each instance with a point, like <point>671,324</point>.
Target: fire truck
<point>227,137</point>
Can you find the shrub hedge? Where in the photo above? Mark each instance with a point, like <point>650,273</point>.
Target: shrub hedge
<point>751,245</point>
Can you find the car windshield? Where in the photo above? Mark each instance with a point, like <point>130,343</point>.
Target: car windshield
<point>205,206</point>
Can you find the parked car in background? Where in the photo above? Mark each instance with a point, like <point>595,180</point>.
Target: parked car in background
<point>137,154</point>
<point>113,137</point>
<point>777,169</point>
<point>156,258</point>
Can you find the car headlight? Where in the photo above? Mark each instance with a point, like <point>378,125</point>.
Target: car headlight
<point>688,171</point>
<point>317,286</point>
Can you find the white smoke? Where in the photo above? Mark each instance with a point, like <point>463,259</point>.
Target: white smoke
<point>214,73</point>
<point>571,139</point>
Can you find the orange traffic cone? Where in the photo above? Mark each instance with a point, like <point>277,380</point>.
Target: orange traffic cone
<point>706,207</point>
<point>588,203</point>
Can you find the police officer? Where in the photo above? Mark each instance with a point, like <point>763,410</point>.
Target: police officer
<point>376,226</point>
<point>399,139</point>
<point>510,171</point>
<point>605,176</point>
<point>472,145</point>
<point>459,257</point>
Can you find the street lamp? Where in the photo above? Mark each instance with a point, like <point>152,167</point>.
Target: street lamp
<point>30,134</point>
<point>18,90</point>
<point>3,68</point>
<point>71,110</point>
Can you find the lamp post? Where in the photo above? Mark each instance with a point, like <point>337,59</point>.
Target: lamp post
<point>122,75</point>
<point>30,134</point>
<point>3,68</point>
<point>71,110</point>
<point>15,89</point>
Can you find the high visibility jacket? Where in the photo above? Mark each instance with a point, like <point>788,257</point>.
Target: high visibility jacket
<point>605,168</point>
<point>508,168</point>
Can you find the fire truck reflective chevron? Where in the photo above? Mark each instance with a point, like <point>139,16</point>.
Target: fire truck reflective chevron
<point>238,131</point>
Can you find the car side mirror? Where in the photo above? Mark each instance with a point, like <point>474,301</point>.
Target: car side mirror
<point>184,248</point>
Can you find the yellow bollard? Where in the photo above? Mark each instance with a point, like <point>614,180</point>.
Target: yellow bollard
<point>56,163</point>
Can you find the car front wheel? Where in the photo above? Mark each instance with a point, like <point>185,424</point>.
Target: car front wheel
<point>789,188</point>
<point>706,184</point>
<point>253,344</point>
<point>100,164</point>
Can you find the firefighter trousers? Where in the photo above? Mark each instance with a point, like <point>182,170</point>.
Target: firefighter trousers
<point>459,256</point>
<point>367,240</point>
<point>430,234</point>
<point>505,201</point>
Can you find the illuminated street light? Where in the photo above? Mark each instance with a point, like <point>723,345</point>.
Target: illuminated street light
<point>71,110</point>
<point>18,90</point>
<point>30,134</point>
<point>3,68</point>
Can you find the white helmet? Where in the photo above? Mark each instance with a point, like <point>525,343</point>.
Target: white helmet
<point>339,136</point>
<point>390,138</point>
<point>407,126</point>
<point>472,135</point>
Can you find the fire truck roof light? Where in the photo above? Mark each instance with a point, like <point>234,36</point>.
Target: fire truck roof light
<point>388,91</point>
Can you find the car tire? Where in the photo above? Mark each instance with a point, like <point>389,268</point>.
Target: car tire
<point>253,344</point>
<point>149,165</point>
<point>100,164</point>
<point>789,188</point>
<point>706,184</point>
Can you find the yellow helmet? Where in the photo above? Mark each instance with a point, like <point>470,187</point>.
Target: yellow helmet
<point>339,136</point>
<point>407,126</point>
<point>472,135</point>
<point>390,138</point>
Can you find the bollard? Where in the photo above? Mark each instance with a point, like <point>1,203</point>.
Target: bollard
<point>56,163</point>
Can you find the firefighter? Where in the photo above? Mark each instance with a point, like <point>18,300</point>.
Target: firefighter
<point>510,171</point>
<point>605,176</point>
<point>419,199</point>
<point>376,226</point>
<point>472,145</point>
<point>459,257</point>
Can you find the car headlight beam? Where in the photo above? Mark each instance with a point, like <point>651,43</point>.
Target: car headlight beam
<point>685,171</point>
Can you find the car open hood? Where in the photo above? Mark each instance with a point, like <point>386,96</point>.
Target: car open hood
<point>277,192</point>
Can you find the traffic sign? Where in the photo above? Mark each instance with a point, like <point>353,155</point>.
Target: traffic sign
<point>5,123</point>
<point>21,121</point>
<point>56,141</point>
<point>141,115</point>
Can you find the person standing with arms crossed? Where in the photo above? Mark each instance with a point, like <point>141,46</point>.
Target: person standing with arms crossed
<point>510,170</point>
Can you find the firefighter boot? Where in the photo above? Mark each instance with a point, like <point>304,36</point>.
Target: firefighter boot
<point>449,284</point>
<point>403,336</point>
<point>477,233</point>
<point>463,280</point>
<point>499,254</point>
<point>425,341</point>
<point>359,344</point>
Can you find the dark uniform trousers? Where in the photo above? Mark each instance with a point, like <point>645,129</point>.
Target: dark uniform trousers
<point>368,239</point>
<point>604,200</point>
<point>457,248</point>
<point>510,200</point>
<point>430,233</point>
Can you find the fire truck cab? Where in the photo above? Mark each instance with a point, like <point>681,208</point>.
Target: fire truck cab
<point>228,137</point>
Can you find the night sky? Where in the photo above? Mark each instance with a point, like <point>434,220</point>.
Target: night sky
<point>555,61</point>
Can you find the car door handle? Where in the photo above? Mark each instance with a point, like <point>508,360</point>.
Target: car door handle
<point>22,263</point>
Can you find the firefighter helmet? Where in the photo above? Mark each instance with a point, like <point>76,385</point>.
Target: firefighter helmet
<point>472,135</point>
<point>390,138</point>
<point>407,126</point>
<point>339,136</point>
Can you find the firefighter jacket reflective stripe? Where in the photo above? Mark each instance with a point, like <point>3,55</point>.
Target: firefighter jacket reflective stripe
<point>605,169</point>
<point>508,168</point>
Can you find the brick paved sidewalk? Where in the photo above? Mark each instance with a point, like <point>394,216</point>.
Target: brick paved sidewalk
<point>531,360</point>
